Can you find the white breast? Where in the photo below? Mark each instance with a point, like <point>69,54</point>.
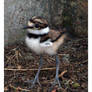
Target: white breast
<point>33,44</point>
<point>40,48</point>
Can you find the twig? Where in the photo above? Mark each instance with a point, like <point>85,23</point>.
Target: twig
<point>62,73</point>
<point>6,69</point>
<point>19,88</point>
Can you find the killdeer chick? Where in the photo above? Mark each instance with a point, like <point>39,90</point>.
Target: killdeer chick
<point>43,40</point>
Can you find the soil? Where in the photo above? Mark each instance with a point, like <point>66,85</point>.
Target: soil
<point>21,64</point>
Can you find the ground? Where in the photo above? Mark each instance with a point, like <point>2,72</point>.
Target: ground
<point>21,65</point>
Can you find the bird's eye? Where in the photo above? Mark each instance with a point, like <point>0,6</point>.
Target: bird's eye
<point>37,25</point>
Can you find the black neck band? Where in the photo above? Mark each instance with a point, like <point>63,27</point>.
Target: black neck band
<point>30,35</point>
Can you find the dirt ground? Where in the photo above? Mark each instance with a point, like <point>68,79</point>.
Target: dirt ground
<point>21,65</point>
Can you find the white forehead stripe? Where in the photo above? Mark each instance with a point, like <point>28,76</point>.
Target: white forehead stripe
<point>30,24</point>
<point>42,31</point>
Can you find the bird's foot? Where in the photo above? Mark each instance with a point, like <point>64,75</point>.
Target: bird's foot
<point>56,82</point>
<point>33,82</point>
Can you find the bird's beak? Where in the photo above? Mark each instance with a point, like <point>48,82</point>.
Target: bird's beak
<point>27,27</point>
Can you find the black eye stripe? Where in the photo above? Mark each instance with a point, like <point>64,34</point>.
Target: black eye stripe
<point>27,27</point>
<point>41,25</point>
<point>44,25</point>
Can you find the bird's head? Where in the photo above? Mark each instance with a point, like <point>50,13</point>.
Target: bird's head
<point>37,25</point>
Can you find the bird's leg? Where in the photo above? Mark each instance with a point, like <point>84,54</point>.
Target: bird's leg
<point>36,79</point>
<point>56,80</point>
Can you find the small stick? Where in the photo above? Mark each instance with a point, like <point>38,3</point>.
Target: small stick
<point>62,73</point>
<point>19,88</point>
<point>6,69</point>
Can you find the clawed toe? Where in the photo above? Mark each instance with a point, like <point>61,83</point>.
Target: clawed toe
<point>56,82</point>
<point>33,82</point>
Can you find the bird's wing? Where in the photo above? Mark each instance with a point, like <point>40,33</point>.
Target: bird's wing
<point>52,35</point>
<point>48,39</point>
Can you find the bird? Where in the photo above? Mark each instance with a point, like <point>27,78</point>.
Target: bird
<point>42,39</point>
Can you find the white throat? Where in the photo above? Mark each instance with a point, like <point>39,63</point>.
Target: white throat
<point>42,31</point>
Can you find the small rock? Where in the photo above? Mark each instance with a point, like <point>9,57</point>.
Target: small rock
<point>75,85</point>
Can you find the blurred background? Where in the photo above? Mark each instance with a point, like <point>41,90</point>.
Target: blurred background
<point>59,13</point>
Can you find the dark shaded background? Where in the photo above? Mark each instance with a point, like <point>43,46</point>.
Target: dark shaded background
<point>71,14</point>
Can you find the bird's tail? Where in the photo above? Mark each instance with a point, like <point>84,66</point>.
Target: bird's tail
<point>59,41</point>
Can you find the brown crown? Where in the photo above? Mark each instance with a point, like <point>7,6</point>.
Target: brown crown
<point>38,22</point>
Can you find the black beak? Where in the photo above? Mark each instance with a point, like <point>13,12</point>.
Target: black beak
<point>27,27</point>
